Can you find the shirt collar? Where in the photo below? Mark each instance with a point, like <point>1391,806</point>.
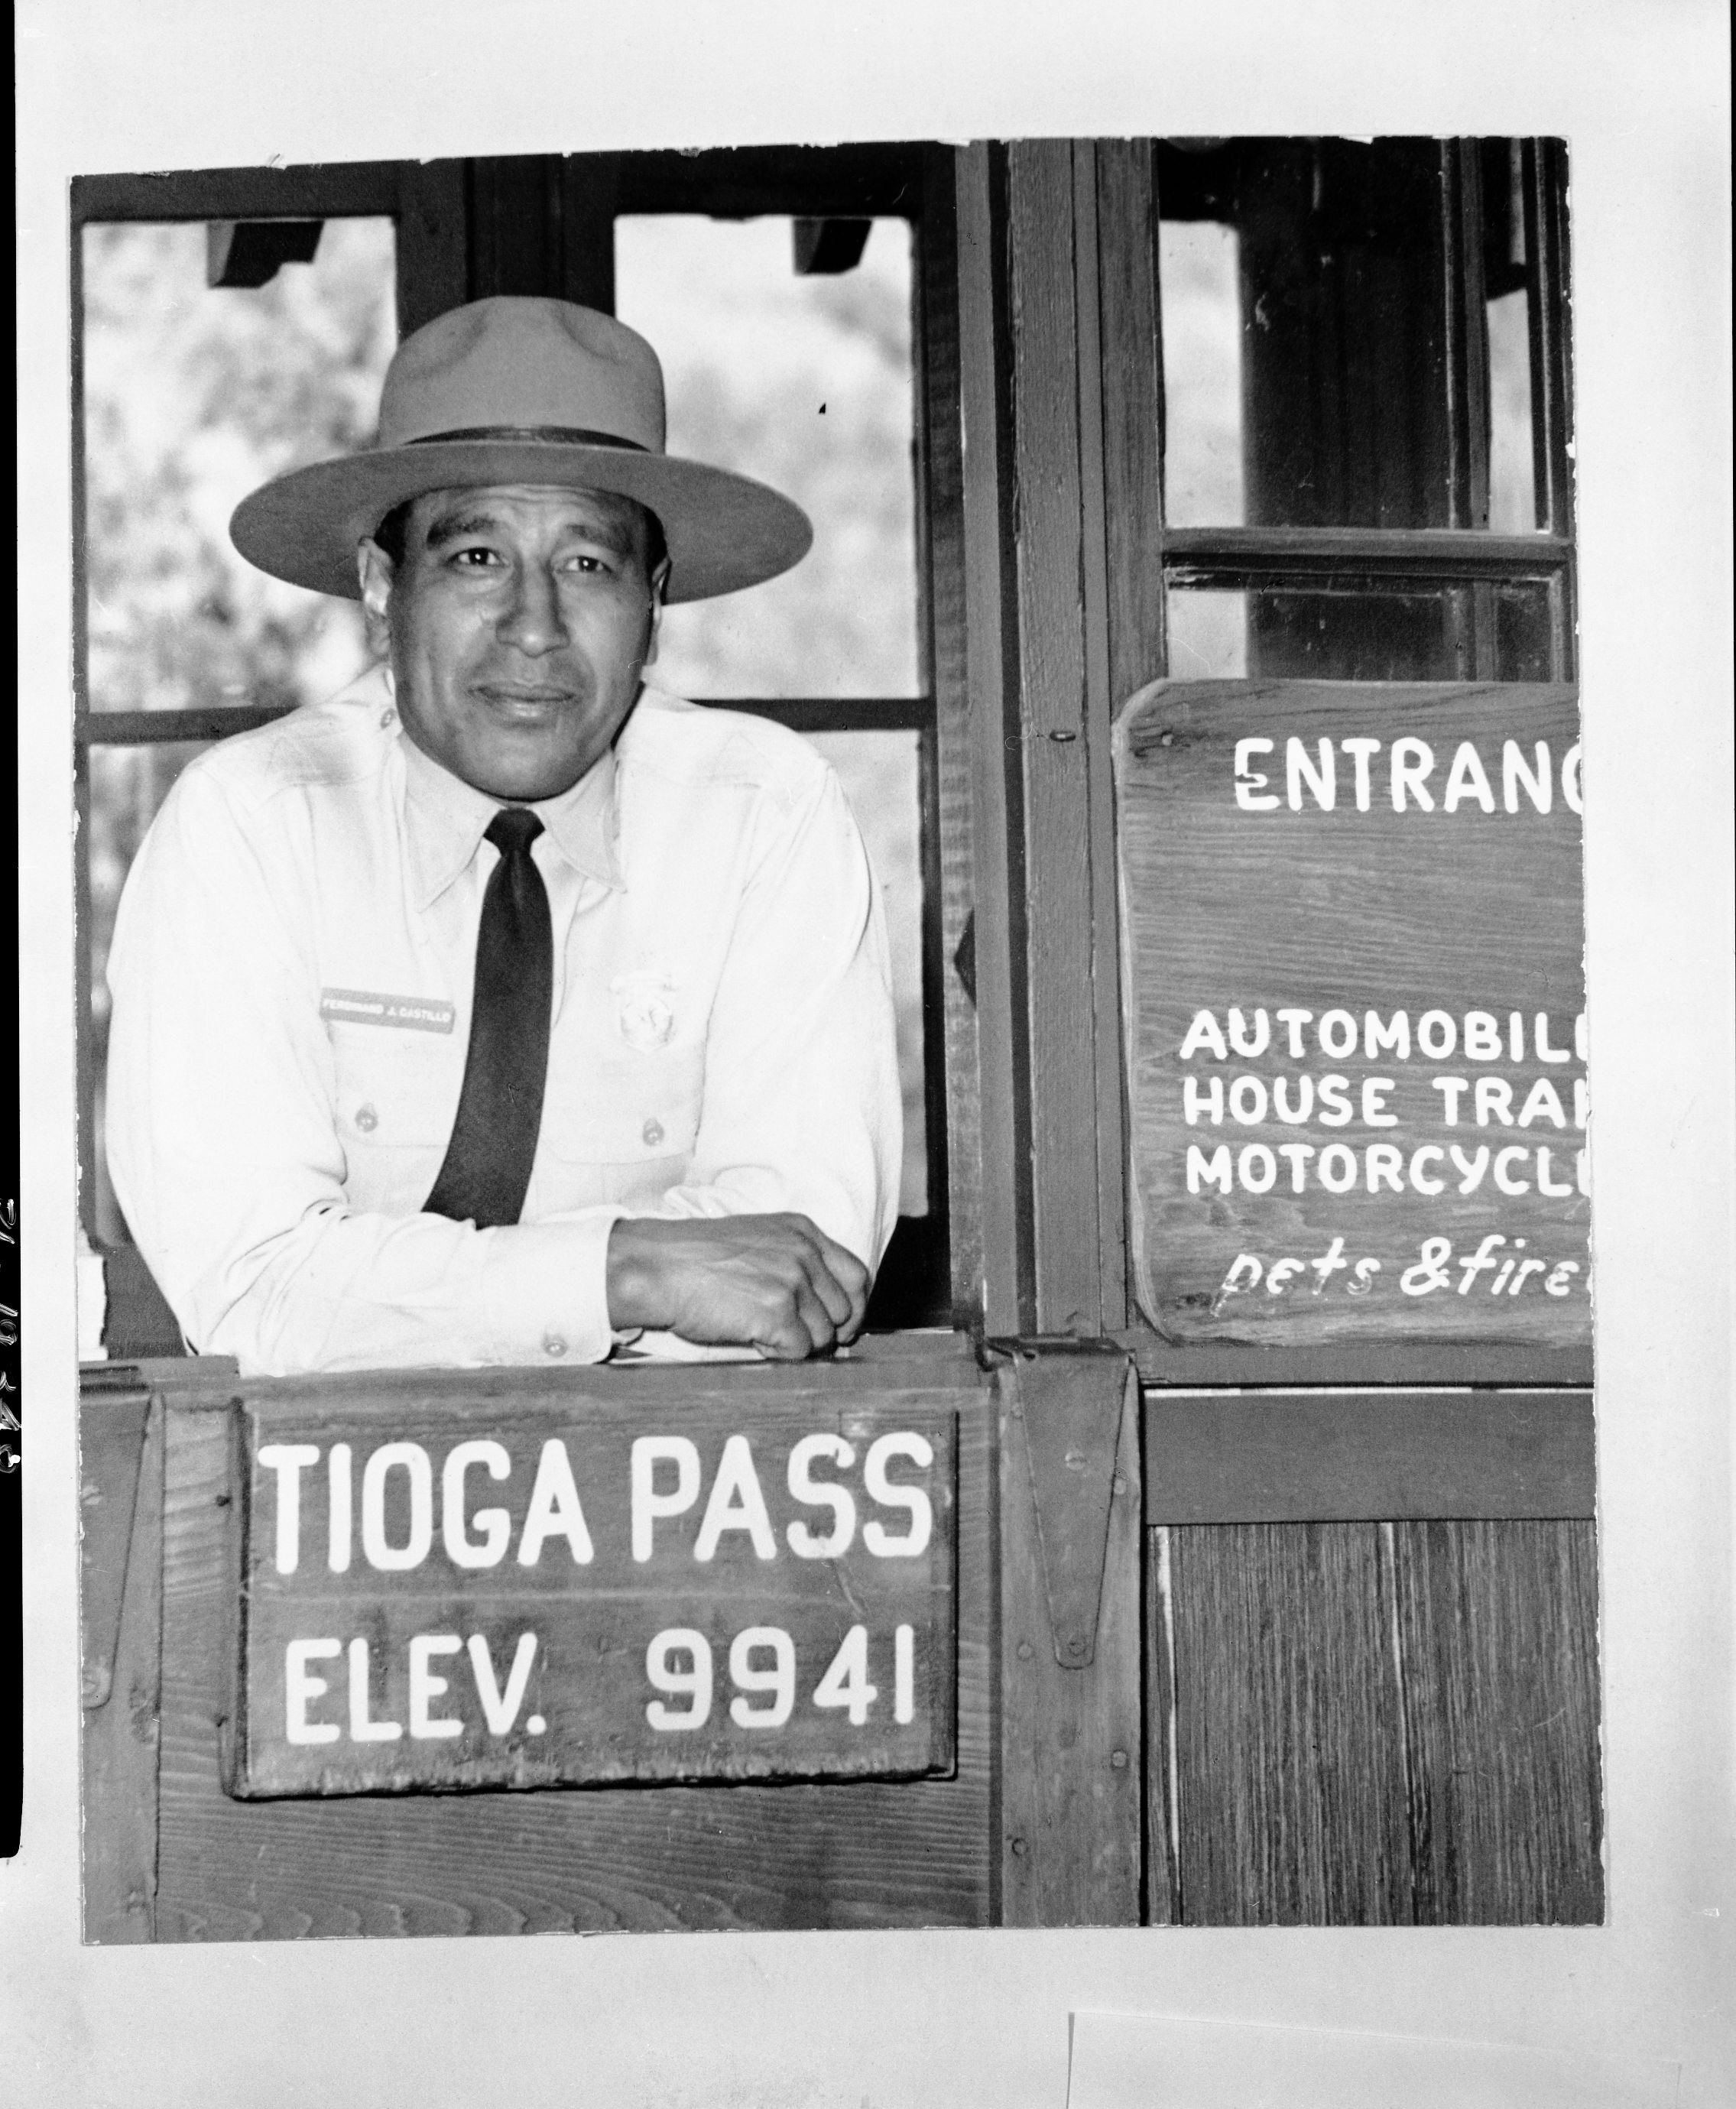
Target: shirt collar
<point>445,818</point>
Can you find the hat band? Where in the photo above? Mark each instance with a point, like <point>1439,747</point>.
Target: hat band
<point>570,435</point>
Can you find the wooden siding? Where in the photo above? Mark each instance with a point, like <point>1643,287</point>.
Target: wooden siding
<point>1374,1724</point>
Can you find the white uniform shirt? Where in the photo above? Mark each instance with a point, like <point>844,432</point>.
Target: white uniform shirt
<point>292,973</point>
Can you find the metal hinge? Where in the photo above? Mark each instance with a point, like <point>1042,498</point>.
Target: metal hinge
<point>1062,1402</point>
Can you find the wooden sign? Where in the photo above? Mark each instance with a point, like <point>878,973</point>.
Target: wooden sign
<point>522,1592</point>
<point>1355,1004</point>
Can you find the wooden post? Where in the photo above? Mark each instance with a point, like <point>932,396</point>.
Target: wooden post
<point>430,227</point>
<point>953,1095</point>
<point>121,1475</point>
<point>1051,729</point>
<point>1071,1763</point>
<point>991,676</point>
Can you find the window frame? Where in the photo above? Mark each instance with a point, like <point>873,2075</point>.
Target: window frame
<point>1063,235</point>
<point>1464,552</point>
<point>466,229</point>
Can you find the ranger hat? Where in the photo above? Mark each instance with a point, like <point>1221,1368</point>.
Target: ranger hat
<point>522,392</point>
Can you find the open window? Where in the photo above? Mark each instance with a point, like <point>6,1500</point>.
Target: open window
<point>233,323</point>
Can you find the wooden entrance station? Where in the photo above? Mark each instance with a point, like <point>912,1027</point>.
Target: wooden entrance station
<point>1205,1533</point>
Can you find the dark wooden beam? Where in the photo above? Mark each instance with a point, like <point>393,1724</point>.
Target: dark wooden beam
<point>828,248</point>
<point>1052,732</point>
<point>1163,1364</point>
<point>871,181</point>
<point>991,651</point>
<point>951,1084</point>
<point>1235,555</point>
<point>322,191</point>
<point>1224,1457</point>
<point>252,252</point>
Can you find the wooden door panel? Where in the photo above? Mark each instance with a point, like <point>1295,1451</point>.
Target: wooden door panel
<point>1497,1627</point>
<point>1288,1780</point>
<point>1373,1723</point>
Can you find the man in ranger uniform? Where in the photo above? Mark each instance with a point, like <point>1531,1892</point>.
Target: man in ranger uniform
<point>505,1008</point>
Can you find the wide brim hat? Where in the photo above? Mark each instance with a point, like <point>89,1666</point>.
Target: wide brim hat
<point>517,391</point>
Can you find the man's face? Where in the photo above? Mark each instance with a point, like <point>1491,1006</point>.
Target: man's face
<point>519,622</point>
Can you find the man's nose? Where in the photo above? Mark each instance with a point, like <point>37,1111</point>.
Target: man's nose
<point>532,621</point>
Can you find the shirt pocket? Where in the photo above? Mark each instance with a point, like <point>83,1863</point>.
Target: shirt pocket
<point>396,1090</point>
<point>634,1112</point>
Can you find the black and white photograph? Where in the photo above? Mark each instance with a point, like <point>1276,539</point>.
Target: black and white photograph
<point>838,907</point>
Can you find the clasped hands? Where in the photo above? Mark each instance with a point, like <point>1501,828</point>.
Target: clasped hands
<point>776,1282</point>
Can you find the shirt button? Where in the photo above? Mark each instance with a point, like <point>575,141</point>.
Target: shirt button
<point>653,1132</point>
<point>366,1119</point>
<point>553,1344</point>
<point>388,717</point>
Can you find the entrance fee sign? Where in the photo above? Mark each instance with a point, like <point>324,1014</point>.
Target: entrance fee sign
<point>1355,993</point>
<point>525,1593</point>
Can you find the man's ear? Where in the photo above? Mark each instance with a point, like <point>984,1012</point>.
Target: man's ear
<point>373,569</point>
<point>659,580</point>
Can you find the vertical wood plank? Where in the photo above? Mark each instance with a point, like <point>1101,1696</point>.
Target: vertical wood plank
<point>1290,1774</point>
<point>941,486</point>
<point>1132,420</point>
<point>82,909</point>
<point>1547,246</point>
<point>1498,1623</point>
<point>588,187</point>
<point>991,655</point>
<point>1107,1095</point>
<point>1071,1740</point>
<point>1132,502</point>
<point>1053,730</point>
<point>121,1729</point>
<point>430,248</point>
<point>513,232</point>
<point>1164,1903</point>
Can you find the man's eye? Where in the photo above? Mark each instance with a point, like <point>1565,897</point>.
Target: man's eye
<point>591,567</point>
<point>478,558</point>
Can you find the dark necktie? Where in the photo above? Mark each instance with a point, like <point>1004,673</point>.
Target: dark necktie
<point>488,1161</point>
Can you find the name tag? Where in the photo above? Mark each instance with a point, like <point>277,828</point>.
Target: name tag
<point>411,1014</point>
<point>555,1593</point>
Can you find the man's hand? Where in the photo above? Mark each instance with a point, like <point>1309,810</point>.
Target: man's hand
<point>776,1282</point>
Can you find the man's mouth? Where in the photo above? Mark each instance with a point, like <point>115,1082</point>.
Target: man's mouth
<point>530,700</point>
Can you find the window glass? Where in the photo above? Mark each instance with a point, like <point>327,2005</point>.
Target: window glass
<point>193,396</point>
<point>1358,631</point>
<point>127,786</point>
<point>806,383</point>
<point>1305,334</point>
<point>1512,486</point>
<point>1207,633</point>
<point>1524,633</point>
<point>1199,276</point>
<point>1509,280</point>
